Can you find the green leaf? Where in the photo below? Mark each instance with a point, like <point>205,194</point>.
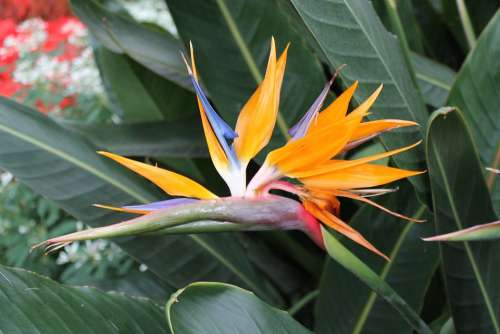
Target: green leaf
<point>154,98</point>
<point>461,200</point>
<point>405,10</point>
<point>216,308</point>
<point>479,11</point>
<point>232,67</point>
<point>434,80</point>
<point>352,263</point>
<point>36,304</point>
<point>138,284</point>
<point>475,93</point>
<point>480,232</point>
<point>63,167</point>
<point>157,50</point>
<point>182,138</point>
<point>346,305</point>
<point>438,40</point>
<point>350,32</point>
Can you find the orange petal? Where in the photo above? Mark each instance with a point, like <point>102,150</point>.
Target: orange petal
<point>315,148</point>
<point>361,176</point>
<point>338,225</point>
<point>337,110</point>
<point>364,107</point>
<point>114,208</point>
<point>216,151</point>
<point>336,165</point>
<point>258,116</point>
<point>369,130</point>
<point>347,194</point>
<point>172,183</point>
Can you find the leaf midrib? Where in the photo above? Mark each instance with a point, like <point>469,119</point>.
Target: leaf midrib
<point>76,162</point>
<point>468,250</point>
<point>433,81</point>
<point>403,97</point>
<point>363,317</point>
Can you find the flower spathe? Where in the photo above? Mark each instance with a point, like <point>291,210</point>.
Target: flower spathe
<point>311,157</point>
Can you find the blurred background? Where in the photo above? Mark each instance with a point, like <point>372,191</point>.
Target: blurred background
<point>47,62</point>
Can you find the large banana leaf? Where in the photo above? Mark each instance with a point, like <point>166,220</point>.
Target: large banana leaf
<point>434,80</point>
<point>35,304</point>
<point>155,49</point>
<point>231,40</point>
<point>63,167</point>
<point>461,200</point>
<point>216,308</point>
<point>154,98</point>
<point>346,305</point>
<point>350,32</point>
<point>476,94</point>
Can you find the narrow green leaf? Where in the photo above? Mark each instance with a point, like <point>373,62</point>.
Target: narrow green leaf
<point>434,80</point>
<point>350,32</point>
<point>351,262</point>
<point>216,308</point>
<point>346,305</point>
<point>36,304</point>
<point>467,18</point>
<point>475,93</point>
<point>461,200</point>
<point>480,232</point>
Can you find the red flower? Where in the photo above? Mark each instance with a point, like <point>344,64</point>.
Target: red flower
<point>7,27</point>
<point>68,101</point>
<point>41,106</point>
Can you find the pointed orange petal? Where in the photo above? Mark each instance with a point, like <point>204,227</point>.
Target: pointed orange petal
<point>217,153</point>
<point>364,107</point>
<point>114,208</point>
<point>338,225</point>
<point>172,183</point>
<point>337,110</point>
<point>258,116</point>
<point>361,176</point>
<point>347,194</point>
<point>369,130</point>
<point>336,165</point>
<point>315,148</point>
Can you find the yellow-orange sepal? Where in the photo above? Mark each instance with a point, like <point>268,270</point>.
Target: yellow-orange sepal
<point>258,116</point>
<point>172,183</point>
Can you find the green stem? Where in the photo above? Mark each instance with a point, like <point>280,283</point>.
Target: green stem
<point>397,27</point>
<point>306,299</point>
<point>466,24</point>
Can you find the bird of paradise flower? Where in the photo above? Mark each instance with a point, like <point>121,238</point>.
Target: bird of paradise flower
<point>310,157</point>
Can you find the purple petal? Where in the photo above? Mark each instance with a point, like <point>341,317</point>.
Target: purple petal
<point>161,204</point>
<point>299,130</point>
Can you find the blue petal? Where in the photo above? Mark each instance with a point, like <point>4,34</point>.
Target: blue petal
<point>162,204</point>
<point>221,129</point>
<point>299,130</point>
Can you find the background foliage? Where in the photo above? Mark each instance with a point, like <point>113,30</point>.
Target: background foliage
<point>438,61</point>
